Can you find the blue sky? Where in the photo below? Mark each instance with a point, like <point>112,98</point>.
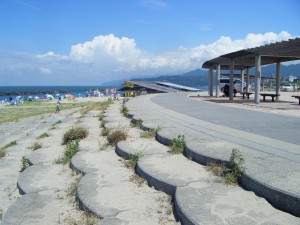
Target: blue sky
<point>88,42</point>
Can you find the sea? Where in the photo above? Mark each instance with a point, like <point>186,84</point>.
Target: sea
<point>7,92</point>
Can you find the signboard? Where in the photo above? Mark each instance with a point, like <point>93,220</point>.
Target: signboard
<point>128,84</point>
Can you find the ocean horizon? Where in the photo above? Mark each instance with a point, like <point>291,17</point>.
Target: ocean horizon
<point>78,91</point>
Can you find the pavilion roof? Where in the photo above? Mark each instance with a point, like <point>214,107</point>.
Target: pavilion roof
<point>272,53</point>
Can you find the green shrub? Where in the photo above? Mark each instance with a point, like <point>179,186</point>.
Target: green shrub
<point>76,133</point>
<point>35,146</point>
<point>114,137</point>
<point>2,149</point>
<point>237,163</point>
<point>133,159</point>
<point>71,149</point>
<point>177,144</point>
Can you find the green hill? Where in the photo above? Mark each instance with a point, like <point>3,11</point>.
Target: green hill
<point>199,77</point>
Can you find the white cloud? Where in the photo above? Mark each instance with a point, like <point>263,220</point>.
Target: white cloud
<point>107,57</point>
<point>52,56</point>
<point>108,52</point>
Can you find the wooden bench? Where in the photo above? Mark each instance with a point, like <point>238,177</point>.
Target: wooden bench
<point>246,93</point>
<point>297,96</point>
<point>270,95</point>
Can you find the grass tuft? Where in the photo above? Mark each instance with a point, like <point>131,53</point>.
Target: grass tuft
<point>150,133</point>
<point>114,137</point>
<point>138,123</point>
<point>177,145</point>
<point>35,146</point>
<point>103,122</point>
<point>75,133</point>
<point>232,172</point>
<point>105,131</point>
<point>124,110</point>
<point>24,163</point>
<point>43,135</point>
<point>2,149</point>
<point>57,122</point>
<point>71,149</point>
<point>133,159</point>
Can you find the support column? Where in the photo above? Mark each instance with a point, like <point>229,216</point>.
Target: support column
<point>231,79</point>
<point>278,74</point>
<point>218,81</point>
<point>248,81</point>
<point>242,81</point>
<point>210,81</point>
<point>208,87</point>
<point>257,78</point>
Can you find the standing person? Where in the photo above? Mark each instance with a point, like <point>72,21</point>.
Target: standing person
<point>58,105</point>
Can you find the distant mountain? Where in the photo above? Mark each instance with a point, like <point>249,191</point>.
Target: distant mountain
<point>199,77</point>
<point>195,78</point>
<point>285,70</point>
<point>113,83</point>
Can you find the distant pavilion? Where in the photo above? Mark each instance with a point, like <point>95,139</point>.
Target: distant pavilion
<point>253,57</point>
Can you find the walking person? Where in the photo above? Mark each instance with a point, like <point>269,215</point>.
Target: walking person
<point>58,105</point>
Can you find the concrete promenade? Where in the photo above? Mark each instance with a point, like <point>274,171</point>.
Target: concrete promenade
<point>269,142</point>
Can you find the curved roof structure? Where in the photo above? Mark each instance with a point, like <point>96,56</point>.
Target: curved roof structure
<point>272,53</point>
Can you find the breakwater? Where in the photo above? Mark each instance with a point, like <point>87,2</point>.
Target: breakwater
<point>8,93</point>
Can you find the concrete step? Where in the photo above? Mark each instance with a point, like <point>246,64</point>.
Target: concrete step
<point>207,142</point>
<point>113,192</point>
<point>45,185</point>
<point>199,199</point>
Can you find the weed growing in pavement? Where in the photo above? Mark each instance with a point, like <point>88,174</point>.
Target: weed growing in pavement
<point>114,137</point>
<point>177,144</point>
<point>101,117</point>
<point>1,214</point>
<point>105,131</point>
<point>24,163</point>
<point>125,100</point>
<point>57,122</point>
<point>124,110</point>
<point>75,133</point>
<point>237,164</point>
<point>72,190</point>
<point>71,149</point>
<point>232,172</point>
<point>150,133</point>
<point>35,146</point>
<point>2,149</point>
<point>133,159</point>
<point>138,123</point>
<point>103,122</point>
<point>43,135</point>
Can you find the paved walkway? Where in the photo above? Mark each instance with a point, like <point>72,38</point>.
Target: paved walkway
<point>268,142</point>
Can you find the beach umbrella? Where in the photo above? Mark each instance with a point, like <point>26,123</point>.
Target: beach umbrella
<point>49,96</point>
